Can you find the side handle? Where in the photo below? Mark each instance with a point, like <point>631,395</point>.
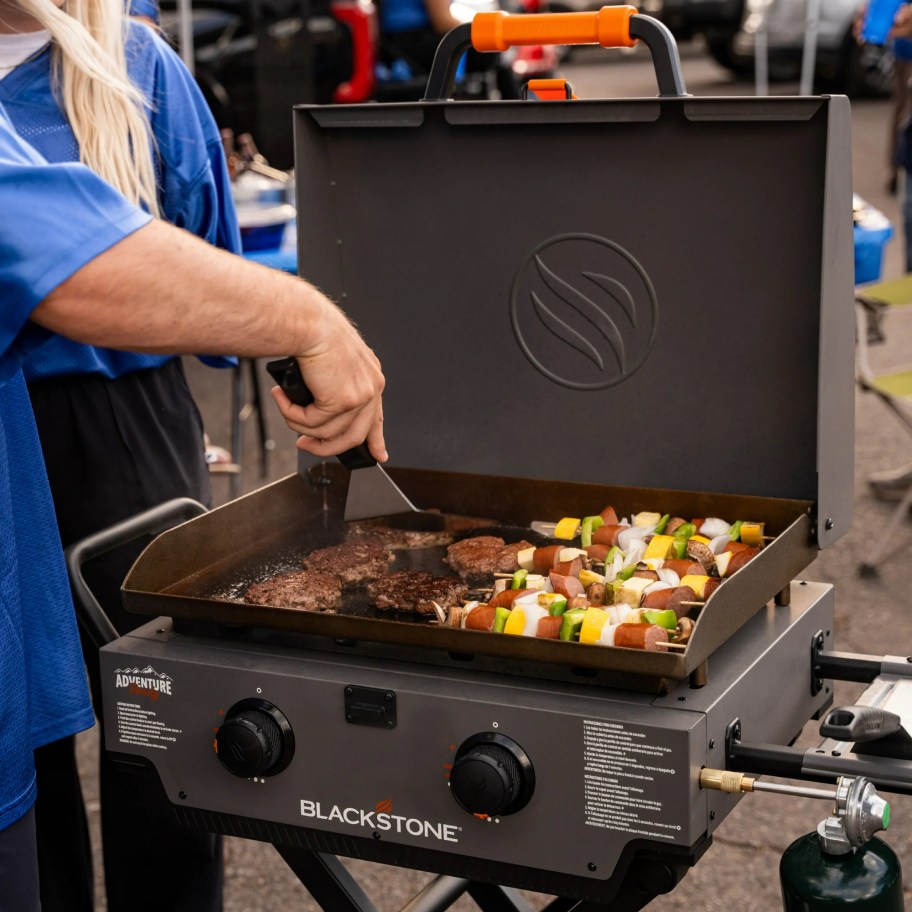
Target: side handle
<point>157,519</point>
<point>611,26</point>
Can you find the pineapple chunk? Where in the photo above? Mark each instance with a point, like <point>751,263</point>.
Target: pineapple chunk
<point>646,520</point>
<point>630,592</point>
<point>587,577</point>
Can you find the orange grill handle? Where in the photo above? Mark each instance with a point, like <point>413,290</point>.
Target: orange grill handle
<point>608,27</point>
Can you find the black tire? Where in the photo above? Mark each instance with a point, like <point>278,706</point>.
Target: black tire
<point>721,48</point>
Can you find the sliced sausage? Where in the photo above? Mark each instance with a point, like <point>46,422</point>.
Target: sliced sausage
<point>674,523</point>
<point>598,552</point>
<point>712,584</point>
<point>684,567</point>
<point>567,586</point>
<point>609,516</point>
<point>570,567</point>
<point>735,546</point>
<point>544,559</point>
<point>641,636</point>
<point>607,535</point>
<point>549,627</point>
<point>506,598</point>
<point>740,558</point>
<point>481,618</point>
<point>670,600</point>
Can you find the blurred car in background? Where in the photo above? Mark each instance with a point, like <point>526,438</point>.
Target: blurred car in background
<point>718,21</point>
<point>842,63</point>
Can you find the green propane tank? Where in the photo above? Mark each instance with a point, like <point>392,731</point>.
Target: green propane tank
<point>843,865</point>
<point>867,879</point>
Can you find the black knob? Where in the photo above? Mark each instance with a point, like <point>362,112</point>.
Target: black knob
<point>491,775</point>
<point>254,740</point>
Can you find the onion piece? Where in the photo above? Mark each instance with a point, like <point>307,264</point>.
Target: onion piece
<point>657,586</point>
<point>714,526</point>
<point>717,545</point>
<point>634,554</point>
<point>616,566</point>
<point>666,575</point>
<point>631,534</point>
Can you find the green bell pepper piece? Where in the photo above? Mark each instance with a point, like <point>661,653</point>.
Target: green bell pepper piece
<point>667,619</point>
<point>680,548</point>
<point>573,620</point>
<point>558,606</point>
<point>500,619</point>
<point>519,578</point>
<point>688,530</point>
<point>734,533</point>
<point>626,573</point>
<point>660,528</point>
<point>588,526</point>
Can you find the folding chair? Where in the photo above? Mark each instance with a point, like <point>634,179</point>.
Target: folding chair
<point>894,389</point>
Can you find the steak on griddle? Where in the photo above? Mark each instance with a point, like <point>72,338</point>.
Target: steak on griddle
<point>475,559</point>
<point>414,590</point>
<point>305,590</point>
<point>354,562</point>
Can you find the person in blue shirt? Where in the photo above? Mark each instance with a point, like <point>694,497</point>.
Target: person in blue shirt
<point>77,259</point>
<point>119,431</point>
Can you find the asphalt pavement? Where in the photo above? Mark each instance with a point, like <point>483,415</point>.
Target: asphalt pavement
<point>740,871</point>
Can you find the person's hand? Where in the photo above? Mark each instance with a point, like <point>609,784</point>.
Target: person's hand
<point>902,24</point>
<point>346,380</point>
<point>858,23</point>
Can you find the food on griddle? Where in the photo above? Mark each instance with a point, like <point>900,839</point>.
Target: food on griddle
<point>305,590</point>
<point>397,539</point>
<point>354,562</point>
<point>656,570</point>
<point>476,559</point>
<point>416,590</point>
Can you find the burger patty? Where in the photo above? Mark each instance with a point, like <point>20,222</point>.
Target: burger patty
<point>475,559</point>
<point>397,538</point>
<point>305,590</point>
<point>354,562</point>
<point>414,590</point>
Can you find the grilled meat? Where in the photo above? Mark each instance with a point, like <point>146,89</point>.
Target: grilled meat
<point>414,590</point>
<point>475,559</point>
<point>398,539</point>
<point>306,590</point>
<point>354,562</point>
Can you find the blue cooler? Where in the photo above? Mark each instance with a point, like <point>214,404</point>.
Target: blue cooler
<point>872,231</point>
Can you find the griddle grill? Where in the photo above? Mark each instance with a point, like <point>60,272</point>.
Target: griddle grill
<point>714,236</point>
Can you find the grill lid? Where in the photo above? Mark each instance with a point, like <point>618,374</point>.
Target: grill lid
<point>649,292</point>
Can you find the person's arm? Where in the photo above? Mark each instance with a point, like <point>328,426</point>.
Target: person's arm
<point>441,18</point>
<point>902,24</point>
<point>162,290</point>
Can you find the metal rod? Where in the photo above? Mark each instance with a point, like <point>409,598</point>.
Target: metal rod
<point>438,895</point>
<point>809,55</point>
<point>797,790</point>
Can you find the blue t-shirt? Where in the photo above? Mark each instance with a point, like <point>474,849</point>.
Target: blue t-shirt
<point>55,218</point>
<point>403,16</point>
<point>194,187</point>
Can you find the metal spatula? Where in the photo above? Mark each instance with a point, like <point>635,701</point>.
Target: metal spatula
<point>371,492</point>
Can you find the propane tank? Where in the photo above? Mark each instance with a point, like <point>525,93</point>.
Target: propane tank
<point>842,864</point>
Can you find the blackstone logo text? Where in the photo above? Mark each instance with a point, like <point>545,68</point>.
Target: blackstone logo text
<point>395,823</point>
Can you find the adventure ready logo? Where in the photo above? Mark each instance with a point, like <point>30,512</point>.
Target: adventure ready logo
<point>146,683</point>
<point>382,820</point>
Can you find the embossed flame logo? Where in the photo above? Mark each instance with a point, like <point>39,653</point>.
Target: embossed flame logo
<point>384,807</point>
<point>584,311</point>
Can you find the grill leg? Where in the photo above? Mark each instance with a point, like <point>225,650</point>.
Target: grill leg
<point>438,895</point>
<point>327,879</point>
<point>494,898</point>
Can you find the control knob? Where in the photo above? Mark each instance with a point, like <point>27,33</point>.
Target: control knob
<point>254,740</point>
<point>491,775</point>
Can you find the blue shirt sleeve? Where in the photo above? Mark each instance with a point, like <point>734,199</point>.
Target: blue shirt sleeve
<point>56,218</point>
<point>146,9</point>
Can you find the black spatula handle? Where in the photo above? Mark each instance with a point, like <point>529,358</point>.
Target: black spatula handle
<point>287,374</point>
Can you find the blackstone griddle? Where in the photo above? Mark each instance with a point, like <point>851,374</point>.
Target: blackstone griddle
<point>645,303</point>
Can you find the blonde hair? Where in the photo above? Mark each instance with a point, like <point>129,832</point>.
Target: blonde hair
<point>107,113</point>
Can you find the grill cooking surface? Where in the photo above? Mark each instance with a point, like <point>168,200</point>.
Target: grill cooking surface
<point>200,570</point>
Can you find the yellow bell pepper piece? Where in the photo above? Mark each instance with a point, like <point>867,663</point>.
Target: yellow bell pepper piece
<point>593,622</point>
<point>699,538</point>
<point>752,534</point>
<point>587,577</point>
<point>696,582</point>
<point>516,622</point>
<point>661,546</point>
<point>567,528</point>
